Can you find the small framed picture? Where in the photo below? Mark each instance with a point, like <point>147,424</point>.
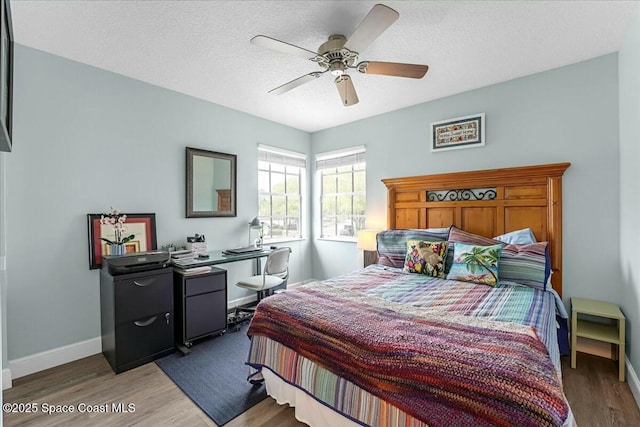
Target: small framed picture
<point>460,132</point>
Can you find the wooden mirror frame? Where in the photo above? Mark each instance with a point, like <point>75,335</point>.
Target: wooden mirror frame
<point>226,197</point>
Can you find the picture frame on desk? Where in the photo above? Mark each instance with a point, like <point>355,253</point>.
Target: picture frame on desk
<point>143,226</point>
<point>6,77</point>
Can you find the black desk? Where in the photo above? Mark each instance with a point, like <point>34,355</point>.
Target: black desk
<point>219,257</point>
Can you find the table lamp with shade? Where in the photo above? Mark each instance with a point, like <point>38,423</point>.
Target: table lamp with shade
<point>367,242</point>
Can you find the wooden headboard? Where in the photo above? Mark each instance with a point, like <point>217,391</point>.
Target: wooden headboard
<point>486,202</point>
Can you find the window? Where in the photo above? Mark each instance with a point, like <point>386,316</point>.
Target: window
<point>280,183</point>
<point>343,196</point>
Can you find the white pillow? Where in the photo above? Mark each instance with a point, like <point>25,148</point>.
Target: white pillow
<point>518,237</point>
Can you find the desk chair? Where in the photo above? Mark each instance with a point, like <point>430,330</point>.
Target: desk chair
<point>275,273</point>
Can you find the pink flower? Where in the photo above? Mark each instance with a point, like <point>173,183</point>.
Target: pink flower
<point>115,219</point>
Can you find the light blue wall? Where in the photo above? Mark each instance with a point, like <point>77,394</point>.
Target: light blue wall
<point>629,69</point>
<point>568,114</point>
<point>86,139</point>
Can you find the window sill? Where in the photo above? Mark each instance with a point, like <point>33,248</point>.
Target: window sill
<point>338,239</point>
<point>282,240</point>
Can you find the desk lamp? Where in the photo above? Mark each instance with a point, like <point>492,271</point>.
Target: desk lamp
<point>255,224</point>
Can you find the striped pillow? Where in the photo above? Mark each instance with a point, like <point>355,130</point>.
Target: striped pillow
<point>525,264</point>
<point>392,244</point>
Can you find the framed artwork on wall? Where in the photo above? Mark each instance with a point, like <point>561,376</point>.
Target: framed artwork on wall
<point>460,132</point>
<point>6,76</point>
<point>142,226</point>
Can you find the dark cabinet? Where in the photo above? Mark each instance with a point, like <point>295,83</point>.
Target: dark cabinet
<point>137,321</point>
<point>200,305</point>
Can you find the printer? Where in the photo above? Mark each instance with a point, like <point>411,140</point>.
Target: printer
<point>135,262</point>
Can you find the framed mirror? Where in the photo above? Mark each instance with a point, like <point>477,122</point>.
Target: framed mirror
<point>211,183</point>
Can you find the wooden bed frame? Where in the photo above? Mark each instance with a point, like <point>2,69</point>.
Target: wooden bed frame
<point>486,202</point>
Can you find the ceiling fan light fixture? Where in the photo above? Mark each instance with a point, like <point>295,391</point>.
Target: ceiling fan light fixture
<point>337,68</point>
<point>339,54</point>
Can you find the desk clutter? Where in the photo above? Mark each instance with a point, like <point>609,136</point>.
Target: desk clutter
<point>185,253</point>
<point>153,303</point>
<point>243,250</point>
<point>197,247</point>
<point>196,243</point>
<point>196,270</point>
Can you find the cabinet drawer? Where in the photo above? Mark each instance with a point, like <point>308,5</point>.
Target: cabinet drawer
<point>206,314</point>
<point>143,296</point>
<point>203,284</point>
<point>144,337</point>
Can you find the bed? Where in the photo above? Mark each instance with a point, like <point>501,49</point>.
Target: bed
<point>384,346</point>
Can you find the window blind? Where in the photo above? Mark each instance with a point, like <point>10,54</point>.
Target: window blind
<point>281,156</point>
<point>336,159</point>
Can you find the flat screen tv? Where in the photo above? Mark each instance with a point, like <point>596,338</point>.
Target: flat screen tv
<point>6,76</point>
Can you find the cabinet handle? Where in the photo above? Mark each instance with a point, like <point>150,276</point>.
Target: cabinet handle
<point>167,316</point>
<point>143,284</point>
<point>146,322</point>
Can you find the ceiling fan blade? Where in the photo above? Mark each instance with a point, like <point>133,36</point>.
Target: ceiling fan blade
<point>346,90</point>
<point>295,83</point>
<point>413,71</point>
<point>379,18</point>
<point>283,47</point>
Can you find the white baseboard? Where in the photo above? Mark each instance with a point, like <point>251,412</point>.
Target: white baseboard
<point>240,301</point>
<point>55,357</point>
<point>632,380</point>
<point>59,356</point>
<point>6,379</point>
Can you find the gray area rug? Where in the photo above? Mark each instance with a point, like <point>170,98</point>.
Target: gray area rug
<point>214,376</point>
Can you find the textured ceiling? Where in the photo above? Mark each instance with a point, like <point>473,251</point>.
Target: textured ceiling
<point>201,48</point>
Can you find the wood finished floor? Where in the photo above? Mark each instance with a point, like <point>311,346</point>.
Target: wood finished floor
<point>595,395</point>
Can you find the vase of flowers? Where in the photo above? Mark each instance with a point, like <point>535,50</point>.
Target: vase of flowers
<point>116,219</point>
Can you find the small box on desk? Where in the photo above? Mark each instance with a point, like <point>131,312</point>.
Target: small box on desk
<point>197,247</point>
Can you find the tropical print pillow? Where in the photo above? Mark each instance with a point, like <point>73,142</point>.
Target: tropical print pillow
<point>425,257</point>
<point>478,264</point>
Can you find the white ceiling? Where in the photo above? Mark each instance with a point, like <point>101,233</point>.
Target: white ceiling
<point>201,48</point>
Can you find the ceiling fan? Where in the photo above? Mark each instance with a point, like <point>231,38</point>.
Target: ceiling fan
<point>339,54</point>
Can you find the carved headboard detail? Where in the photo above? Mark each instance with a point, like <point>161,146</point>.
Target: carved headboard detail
<point>486,202</point>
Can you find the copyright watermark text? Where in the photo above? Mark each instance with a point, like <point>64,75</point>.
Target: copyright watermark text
<point>49,408</point>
